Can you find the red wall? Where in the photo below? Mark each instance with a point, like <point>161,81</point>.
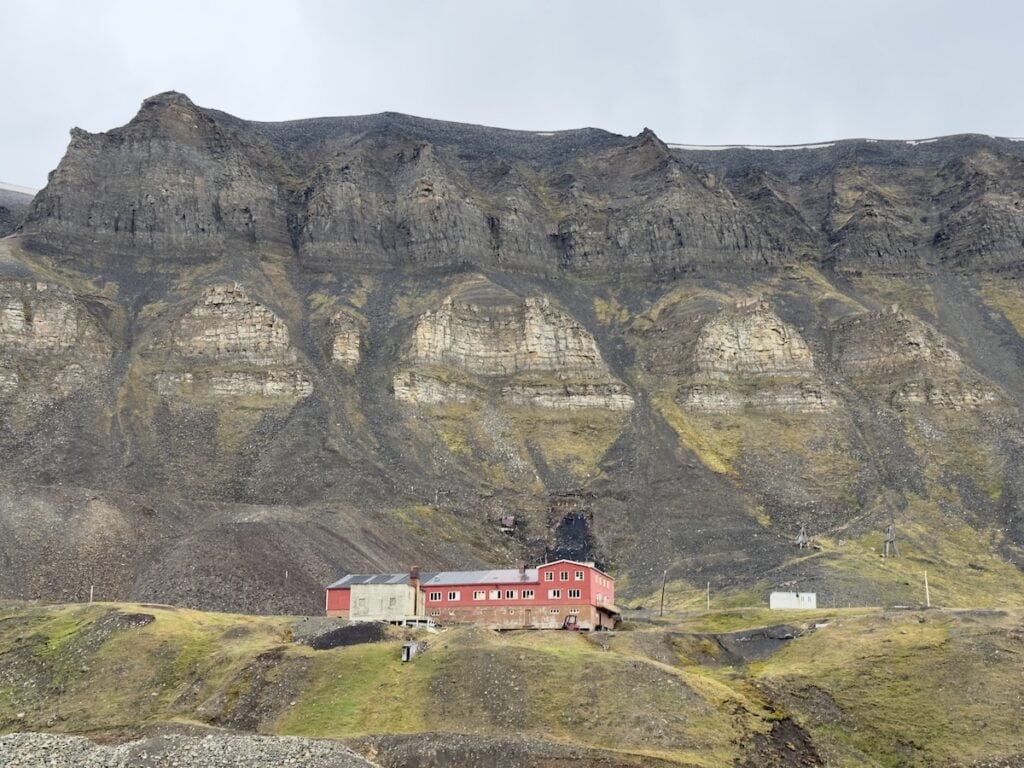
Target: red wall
<point>589,588</point>
<point>339,599</point>
<point>593,586</point>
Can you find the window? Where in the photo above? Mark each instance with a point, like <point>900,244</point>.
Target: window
<point>554,610</point>
<point>453,595</point>
<point>600,598</point>
<point>574,593</point>
<point>574,610</point>
<point>510,594</point>
<point>527,594</point>
<point>495,594</point>
<point>435,613</point>
<point>554,594</point>
<point>479,595</point>
<point>549,576</point>
<point>579,575</point>
<point>434,596</point>
<point>564,575</point>
<point>392,602</point>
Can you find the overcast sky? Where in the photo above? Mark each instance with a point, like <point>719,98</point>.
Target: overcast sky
<point>759,72</point>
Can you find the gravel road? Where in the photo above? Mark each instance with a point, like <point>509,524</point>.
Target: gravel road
<point>38,750</point>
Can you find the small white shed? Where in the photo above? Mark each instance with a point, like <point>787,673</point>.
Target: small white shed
<point>792,600</point>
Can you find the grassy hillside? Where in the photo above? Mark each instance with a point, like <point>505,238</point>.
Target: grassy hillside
<point>854,687</point>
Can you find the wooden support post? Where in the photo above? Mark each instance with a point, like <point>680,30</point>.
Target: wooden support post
<point>664,580</point>
<point>709,595</point>
<point>927,594</point>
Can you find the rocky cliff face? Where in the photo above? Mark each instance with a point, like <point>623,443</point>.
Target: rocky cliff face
<point>50,345</point>
<point>534,353</point>
<point>749,358</point>
<point>14,204</point>
<point>231,351</point>
<point>907,362</point>
<point>346,340</point>
<point>228,345</point>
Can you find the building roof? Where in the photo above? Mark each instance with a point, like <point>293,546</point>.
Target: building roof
<point>372,578</point>
<point>501,576</point>
<point>441,578</point>
<point>456,578</point>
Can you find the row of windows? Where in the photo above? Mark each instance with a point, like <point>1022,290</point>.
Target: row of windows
<point>563,575</point>
<point>495,594</point>
<point>555,594</point>
<point>512,611</point>
<point>510,594</point>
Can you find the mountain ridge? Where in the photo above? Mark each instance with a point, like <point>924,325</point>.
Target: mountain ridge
<point>226,348</point>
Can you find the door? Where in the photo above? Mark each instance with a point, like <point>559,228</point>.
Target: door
<point>528,617</point>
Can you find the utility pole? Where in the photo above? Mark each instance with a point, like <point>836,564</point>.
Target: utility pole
<point>889,549</point>
<point>709,595</point>
<point>664,579</point>
<point>91,587</point>
<point>927,594</point>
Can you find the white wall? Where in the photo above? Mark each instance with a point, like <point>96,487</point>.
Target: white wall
<point>372,602</point>
<point>792,600</point>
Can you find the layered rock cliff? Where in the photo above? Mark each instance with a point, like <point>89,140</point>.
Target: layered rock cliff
<point>228,345</point>
<point>527,350</point>
<point>749,358</point>
<point>50,344</point>
<point>239,358</point>
<point>907,362</point>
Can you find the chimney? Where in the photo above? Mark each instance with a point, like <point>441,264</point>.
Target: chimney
<point>522,571</point>
<point>414,582</point>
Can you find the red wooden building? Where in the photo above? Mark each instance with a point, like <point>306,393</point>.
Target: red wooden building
<point>550,596</point>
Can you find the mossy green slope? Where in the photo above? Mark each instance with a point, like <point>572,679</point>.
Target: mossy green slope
<point>866,687</point>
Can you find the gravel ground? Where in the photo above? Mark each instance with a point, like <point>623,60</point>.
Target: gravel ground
<point>38,750</point>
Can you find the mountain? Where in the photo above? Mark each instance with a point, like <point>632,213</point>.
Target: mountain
<point>238,359</point>
<point>14,203</point>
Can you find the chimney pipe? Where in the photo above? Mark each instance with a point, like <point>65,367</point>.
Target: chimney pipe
<point>414,582</point>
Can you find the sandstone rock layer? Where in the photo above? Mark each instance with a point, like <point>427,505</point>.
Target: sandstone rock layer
<point>747,357</point>
<point>229,345</point>
<point>535,353</point>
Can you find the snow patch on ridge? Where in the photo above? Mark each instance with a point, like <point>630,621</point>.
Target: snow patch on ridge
<point>15,188</point>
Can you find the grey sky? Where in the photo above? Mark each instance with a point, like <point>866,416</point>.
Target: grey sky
<point>764,72</point>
